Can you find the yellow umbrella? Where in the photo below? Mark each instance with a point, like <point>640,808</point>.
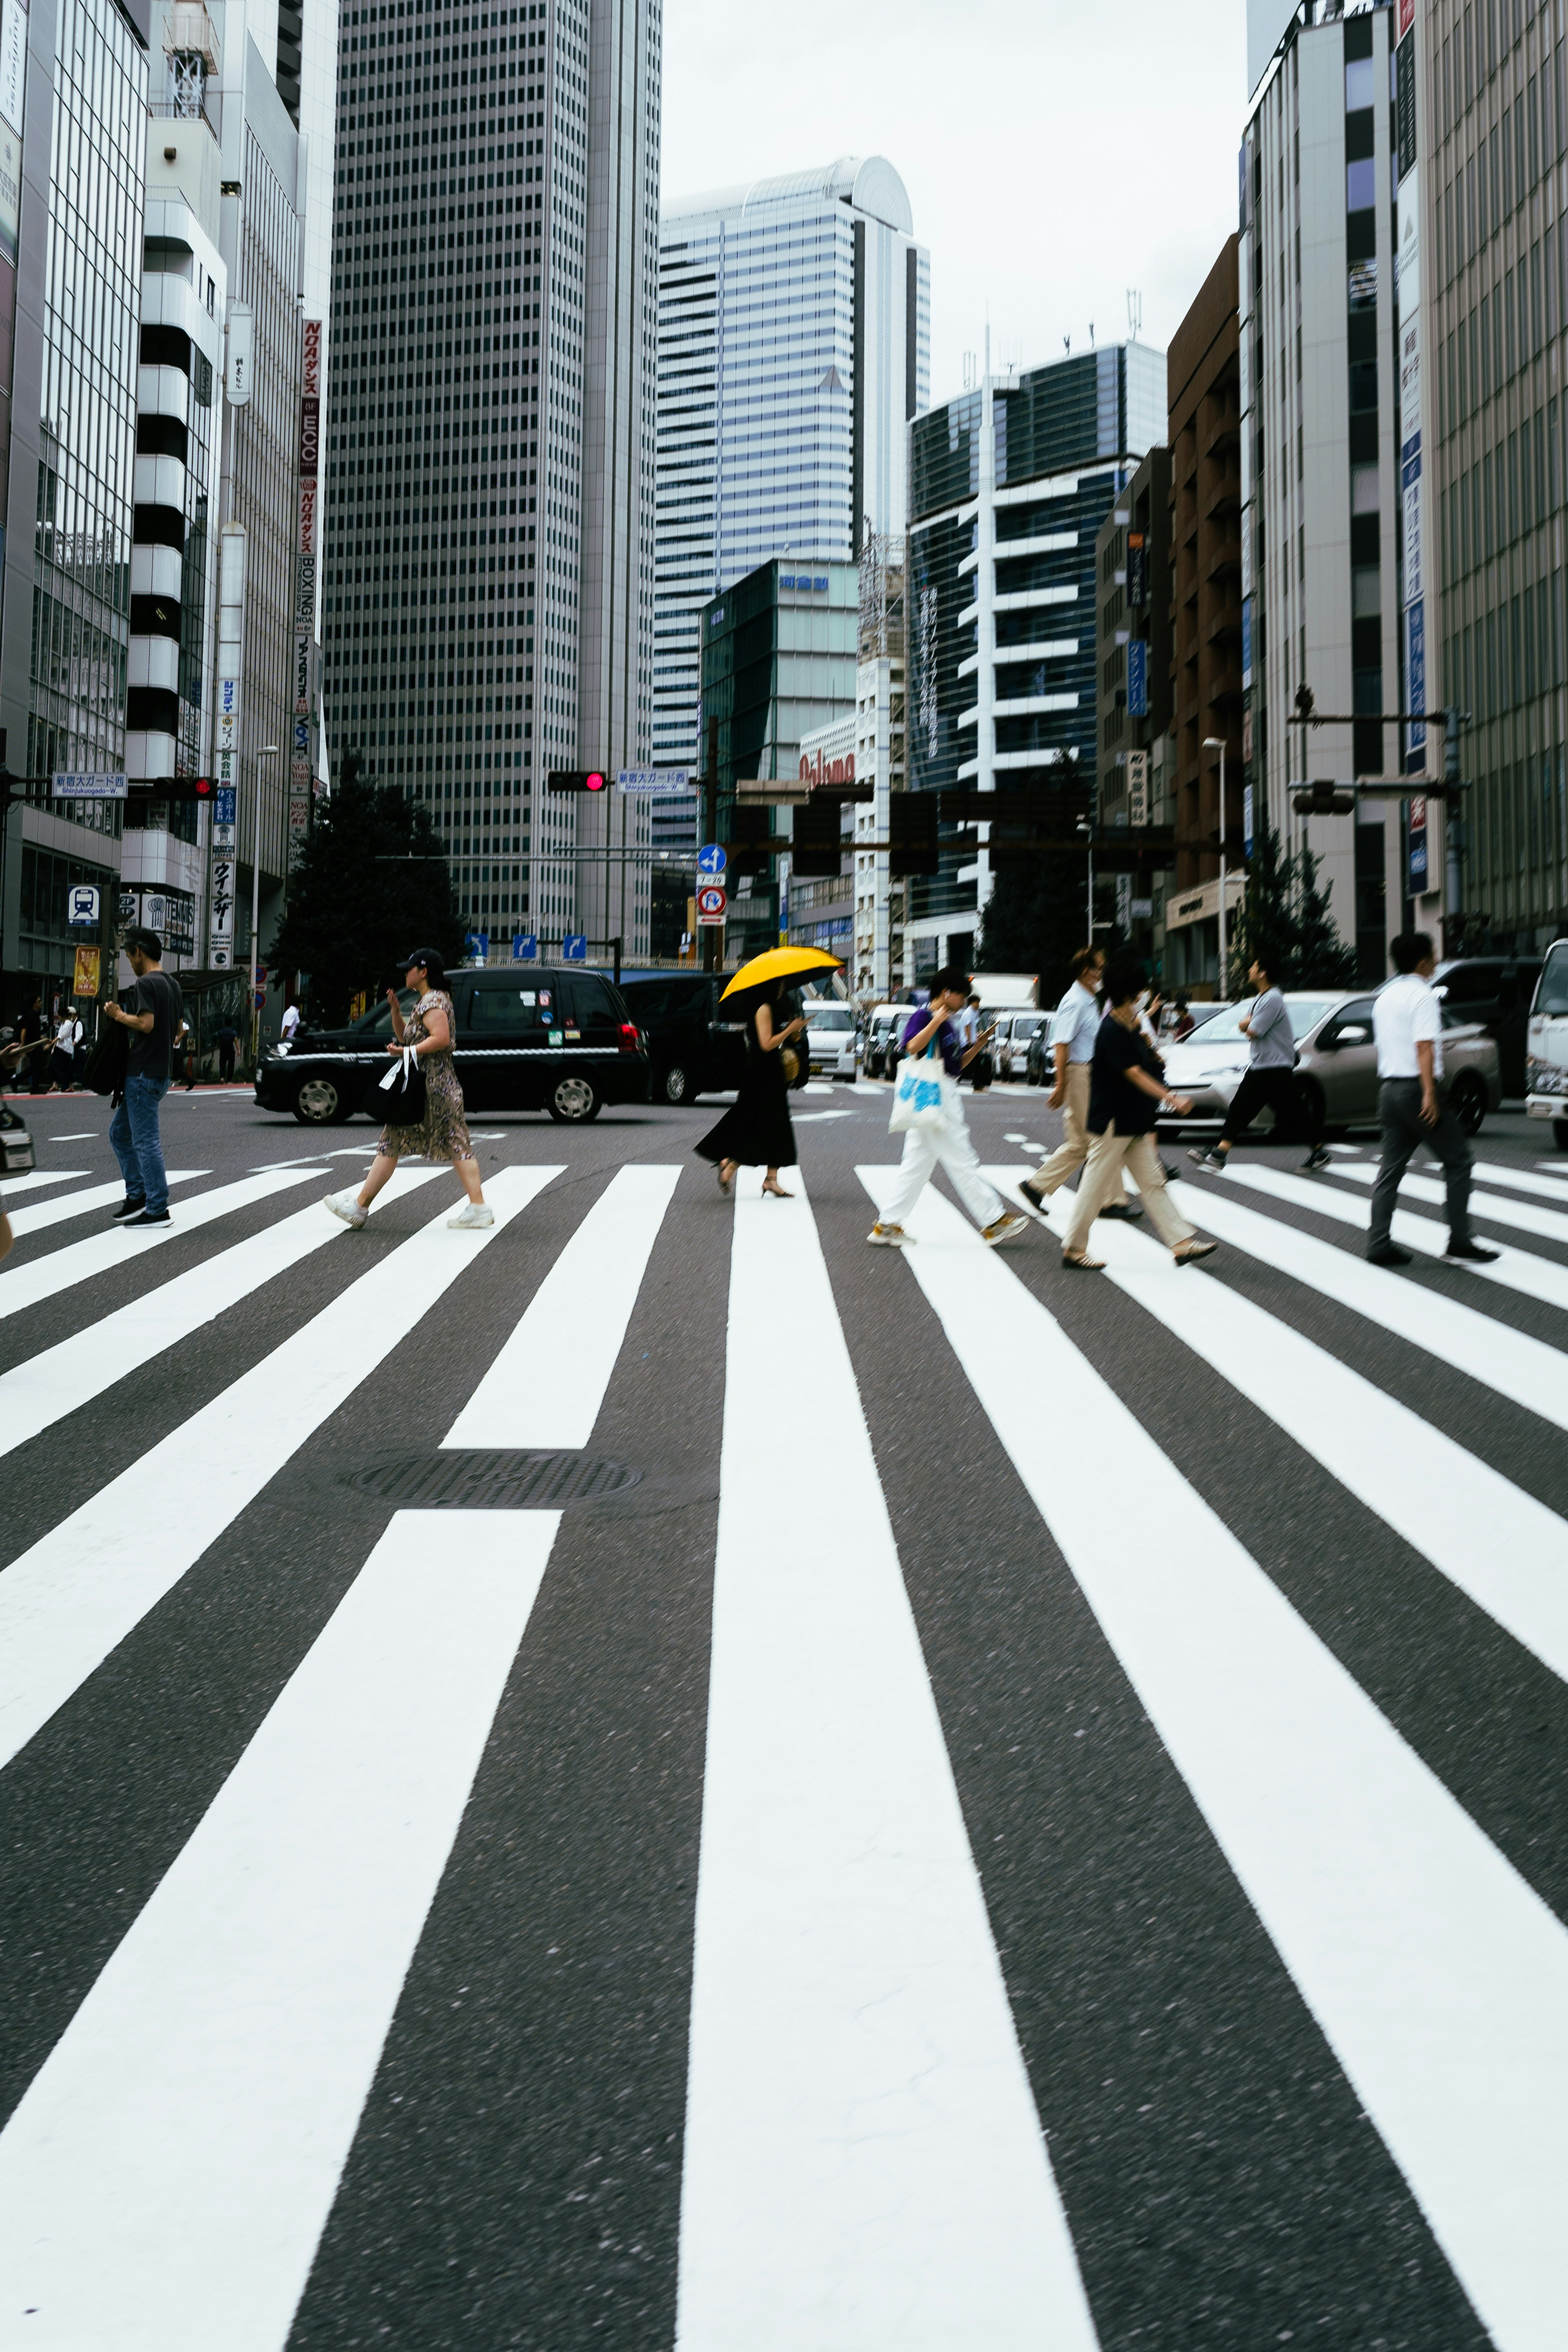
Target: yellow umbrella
<point>782,963</point>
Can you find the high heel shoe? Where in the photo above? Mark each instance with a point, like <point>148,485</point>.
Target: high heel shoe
<point>725,1182</point>
<point>778,1191</point>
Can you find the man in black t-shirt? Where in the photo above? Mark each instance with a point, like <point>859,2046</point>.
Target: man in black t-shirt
<point>1126,1089</point>
<point>154,1020</point>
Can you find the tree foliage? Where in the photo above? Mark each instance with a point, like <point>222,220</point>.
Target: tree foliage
<point>1036,918</point>
<point>1287,921</point>
<point>371,885</point>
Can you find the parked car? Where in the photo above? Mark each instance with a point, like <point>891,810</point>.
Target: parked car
<point>1336,1058</point>
<point>15,1143</point>
<point>884,1026</point>
<point>1546,1066</point>
<point>832,1043</point>
<point>531,1037</point>
<point>695,1045</point>
<point>1010,1047</point>
<point>1496,990</point>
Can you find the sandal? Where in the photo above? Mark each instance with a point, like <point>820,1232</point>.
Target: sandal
<point>1194,1250</point>
<point>1084,1265</point>
<point>725,1182</point>
<point>778,1191</point>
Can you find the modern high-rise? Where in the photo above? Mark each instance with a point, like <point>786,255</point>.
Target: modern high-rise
<point>489,435</point>
<point>1009,486</point>
<point>794,350</point>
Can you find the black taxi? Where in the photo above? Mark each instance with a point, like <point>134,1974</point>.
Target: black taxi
<point>528,1037</point>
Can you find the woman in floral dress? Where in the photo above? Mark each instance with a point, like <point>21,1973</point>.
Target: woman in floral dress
<point>442,1134</point>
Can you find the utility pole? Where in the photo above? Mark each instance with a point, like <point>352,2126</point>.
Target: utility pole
<point>711,820</point>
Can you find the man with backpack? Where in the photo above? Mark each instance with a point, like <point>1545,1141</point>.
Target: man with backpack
<point>154,1024</point>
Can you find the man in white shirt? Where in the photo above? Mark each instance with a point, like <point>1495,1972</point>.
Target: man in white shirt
<point>1073,1034</point>
<point>291,1022</point>
<point>62,1062</point>
<point>1407,1023</point>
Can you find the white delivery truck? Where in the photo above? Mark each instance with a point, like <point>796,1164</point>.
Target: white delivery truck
<point>1546,1048</point>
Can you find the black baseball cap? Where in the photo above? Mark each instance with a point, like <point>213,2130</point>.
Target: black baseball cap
<point>428,958</point>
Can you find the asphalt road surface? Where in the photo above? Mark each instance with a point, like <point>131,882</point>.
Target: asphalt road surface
<point>656,1776</point>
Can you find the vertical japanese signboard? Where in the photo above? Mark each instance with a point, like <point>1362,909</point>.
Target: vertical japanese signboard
<point>300,759</point>
<point>220,901</point>
<point>1412,397</point>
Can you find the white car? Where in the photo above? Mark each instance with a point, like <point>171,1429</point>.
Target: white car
<point>1546,1064</point>
<point>832,1043</point>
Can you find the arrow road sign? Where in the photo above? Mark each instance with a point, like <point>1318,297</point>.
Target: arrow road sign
<point>711,858</point>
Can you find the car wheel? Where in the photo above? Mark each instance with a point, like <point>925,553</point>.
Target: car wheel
<point>1468,1103</point>
<point>320,1102</point>
<point>574,1100</point>
<point>678,1087</point>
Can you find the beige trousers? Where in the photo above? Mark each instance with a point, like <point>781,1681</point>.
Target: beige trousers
<point>1072,1154</point>
<point>1108,1154</point>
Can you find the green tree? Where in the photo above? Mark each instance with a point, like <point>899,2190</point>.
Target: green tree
<point>1036,916</point>
<point>371,884</point>
<point>1286,919</point>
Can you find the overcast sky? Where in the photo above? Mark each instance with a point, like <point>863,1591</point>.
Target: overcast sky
<point>1055,152</point>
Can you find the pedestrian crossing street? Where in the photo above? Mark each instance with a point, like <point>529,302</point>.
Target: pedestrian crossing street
<point>1037,1823</point>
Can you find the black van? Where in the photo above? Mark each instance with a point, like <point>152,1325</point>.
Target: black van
<point>1496,990</point>
<point>529,1037</point>
<point>694,1045</point>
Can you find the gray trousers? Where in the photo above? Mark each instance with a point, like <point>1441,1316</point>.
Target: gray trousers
<point>1399,1107</point>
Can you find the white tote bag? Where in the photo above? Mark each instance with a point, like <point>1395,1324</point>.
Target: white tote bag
<point>923,1097</point>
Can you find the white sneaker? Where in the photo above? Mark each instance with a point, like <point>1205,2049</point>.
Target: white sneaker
<point>345,1205</point>
<point>889,1237</point>
<point>1006,1228</point>
<point>471,1213</point>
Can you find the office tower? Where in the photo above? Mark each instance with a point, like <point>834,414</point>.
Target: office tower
<point>179,392</point>
<point>1483,135</point>
<point>73,128</point>
<point>880,738</point>
<point>1136,790</point>
<point>1009,485</point>
<point>794,348</point>
<point>1320,455</point>
<point>487,440</point>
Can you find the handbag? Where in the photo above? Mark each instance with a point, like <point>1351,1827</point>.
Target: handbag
<point>796,1062</point>
<point>922,1096</point>
<point>405,1088</point>
<point>107,1061</point>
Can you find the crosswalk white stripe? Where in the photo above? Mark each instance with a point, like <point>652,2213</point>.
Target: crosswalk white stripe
<point>74,1596</point>
<point>863,2164</point>
<point>1520,1180</point>
<point>1524,1216</point>
<point>11,1185</point>
<point>1360,1863</point>
<point>1493,1541</point>
<point>1535,1277</point>
<point>167,2175</point>
<point>44,1213</point>
<point>61,1379</point>
<point>547,1384</point>
<point>104,1253</point>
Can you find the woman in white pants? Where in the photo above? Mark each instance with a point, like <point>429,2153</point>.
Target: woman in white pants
<point>949,1147</point>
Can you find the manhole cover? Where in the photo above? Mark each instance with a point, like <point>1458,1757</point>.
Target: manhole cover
<point>494,1482</point>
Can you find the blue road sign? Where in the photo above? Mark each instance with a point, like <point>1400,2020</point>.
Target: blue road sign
<point>711,858</point>
<point>524,947</point>
<point>574,947</point>
<point>477,946</point>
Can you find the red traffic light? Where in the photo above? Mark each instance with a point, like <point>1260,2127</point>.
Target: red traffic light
<point>596,780</point>
<point>577,780</point>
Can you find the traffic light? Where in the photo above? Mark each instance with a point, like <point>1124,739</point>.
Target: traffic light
<point>577,780</point>
<point>750,847</point>
<point>1322,799</point>
<point>817,848</point>
<point>174,788</point>
<point>912,834</point>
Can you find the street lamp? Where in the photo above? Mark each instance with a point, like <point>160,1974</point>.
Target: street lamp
<point>267,752</point>
<point>1216,744</point>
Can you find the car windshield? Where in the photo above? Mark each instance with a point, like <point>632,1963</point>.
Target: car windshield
<point>830,1016</point>
<point>1552,995</point>
<point>379,1023</point>
<point>1305,1012</point>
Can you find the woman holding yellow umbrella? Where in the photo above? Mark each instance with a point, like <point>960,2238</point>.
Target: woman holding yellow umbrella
<point>755,1131</point>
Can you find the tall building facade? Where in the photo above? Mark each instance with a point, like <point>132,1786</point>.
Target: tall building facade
<point>489,434</point>
<point>1137,780</point>
<point>1483,138</point>
<point>1009,486</point>
<point>794,350</point>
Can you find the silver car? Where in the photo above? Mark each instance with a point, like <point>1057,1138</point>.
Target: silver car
<point>831,1041</point>
<point>1336,1058</point>
<point>1010,1047</point>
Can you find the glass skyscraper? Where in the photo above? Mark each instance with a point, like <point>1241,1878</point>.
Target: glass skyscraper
<point>794,348</point>
<point>488,589</point>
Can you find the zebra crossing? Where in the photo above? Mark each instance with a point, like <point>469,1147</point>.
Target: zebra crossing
<point>1013,1872</point>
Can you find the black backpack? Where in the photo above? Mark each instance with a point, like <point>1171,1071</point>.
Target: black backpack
<point>109,1059</point>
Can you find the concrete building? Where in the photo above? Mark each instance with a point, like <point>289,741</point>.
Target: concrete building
<point>1009,486</point>
<point>488,438</point>
<point>880,735</point>
<point>794,350</point>
<point>1135,787</point>
<point>1320,449</point>
<point>820,912</point>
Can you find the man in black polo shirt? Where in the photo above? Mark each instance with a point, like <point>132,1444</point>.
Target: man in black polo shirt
<point>155,1022</point>
<point>1126,1091</point>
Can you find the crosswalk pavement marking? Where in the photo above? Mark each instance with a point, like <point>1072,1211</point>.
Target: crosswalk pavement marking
<point>61,1379</point>
<point>11,1185</point>
<point>44,1213</point>
<point>75,1595</point>
<point>1360,1863</point>
<point>1495,1542</point>
<point>1520,1180</point>
<point>546,1387</point>
<point>167,2176</point>
<point>104,1253</point>
<point>863,2164</point>
<point>1535,1277</point>
<point>1524,1216</point>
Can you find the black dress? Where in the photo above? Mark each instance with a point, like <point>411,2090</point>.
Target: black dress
<point>756,1130</point>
